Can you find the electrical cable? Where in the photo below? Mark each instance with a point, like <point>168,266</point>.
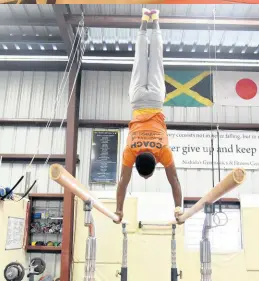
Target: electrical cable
<point>216,215</point>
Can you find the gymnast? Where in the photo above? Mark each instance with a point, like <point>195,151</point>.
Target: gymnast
<point>147,142</point>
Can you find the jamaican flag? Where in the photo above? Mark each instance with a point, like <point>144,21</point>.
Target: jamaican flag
<point>188,88</point>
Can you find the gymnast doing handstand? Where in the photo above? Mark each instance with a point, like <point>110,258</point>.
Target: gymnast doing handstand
<point>147,141</point>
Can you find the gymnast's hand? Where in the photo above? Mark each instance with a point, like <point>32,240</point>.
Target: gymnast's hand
<point>120,215</point>
<point>177,213</point>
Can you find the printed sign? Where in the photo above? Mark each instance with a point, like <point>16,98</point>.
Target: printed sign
<point>15,233</point>
<point>193,149</point>
<point>104,156</point>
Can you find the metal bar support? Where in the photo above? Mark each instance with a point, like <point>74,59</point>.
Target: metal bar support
<point>174,271</point>
<point>124,265</point>
<point>205,247</point>
<point>90,255</point>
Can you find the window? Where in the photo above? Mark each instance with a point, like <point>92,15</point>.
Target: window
<point>224,239</point>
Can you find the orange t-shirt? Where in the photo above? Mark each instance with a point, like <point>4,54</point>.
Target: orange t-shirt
<point>147,133</point>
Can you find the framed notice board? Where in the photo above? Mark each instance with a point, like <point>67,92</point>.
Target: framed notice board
<point>15,233</point>
<point>104,156</point>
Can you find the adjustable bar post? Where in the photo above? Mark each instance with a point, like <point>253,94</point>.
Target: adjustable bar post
<point>91,243</point>
<point>174,271</point>
<point>205,247</point>
<point>124,265</point>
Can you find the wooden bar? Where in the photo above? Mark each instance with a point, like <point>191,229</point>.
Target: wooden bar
<point>64,178</point>
<point>232,180</point>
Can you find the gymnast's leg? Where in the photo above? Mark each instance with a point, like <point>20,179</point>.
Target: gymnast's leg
<point>156,83</point>
<point>138,83</point>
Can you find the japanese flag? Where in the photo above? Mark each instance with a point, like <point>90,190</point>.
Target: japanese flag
<point>236,88</point>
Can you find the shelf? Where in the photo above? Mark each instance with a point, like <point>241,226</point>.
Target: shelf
<point>43,233</point>
<point>55,216</point>
<point>59,219</point>
<point>39,158</point>
<point>42,249</point>
<point>46,196</point>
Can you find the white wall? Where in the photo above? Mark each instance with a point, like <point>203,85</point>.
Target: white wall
<point>195,183</point>
<point>25,140</point>
<point>32,95</point>
<point>105,96</point>
<point>26,94</point>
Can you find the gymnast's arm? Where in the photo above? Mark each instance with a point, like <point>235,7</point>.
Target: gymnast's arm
<point>175,184</point>
<point>122,187</point>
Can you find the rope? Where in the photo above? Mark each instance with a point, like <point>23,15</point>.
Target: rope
<point>79,42</point>
<point>83,46</point>
<point>217,135</point>
<point>60,90</point>
<point>78,37</point>
<point>212,117</point>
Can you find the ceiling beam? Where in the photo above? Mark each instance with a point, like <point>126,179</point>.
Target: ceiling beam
<point>166,22</point>
<point>94,123</point>
<point>134,22</point>
<point>15,39</point>
<point>65,28</point>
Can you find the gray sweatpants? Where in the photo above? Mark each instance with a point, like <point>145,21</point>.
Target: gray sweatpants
<point>147,86</point>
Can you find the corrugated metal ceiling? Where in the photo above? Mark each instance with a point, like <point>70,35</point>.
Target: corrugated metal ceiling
<point>176,37</point>
<point>123,36</point>
<point>27,11</point>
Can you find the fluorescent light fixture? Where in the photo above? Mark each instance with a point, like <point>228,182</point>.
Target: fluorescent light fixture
<point>130,60</point>
<point>175,61</point>
<point>104,47</point>
<point>5,47</point>
<point>129,46</point>
<point>231,49</point>
<point>33,58</point>
<point>91,46</point>
<point>244,50</point>
<point>29,47</point>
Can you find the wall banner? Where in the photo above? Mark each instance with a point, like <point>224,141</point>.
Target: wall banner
<point>192,149</point>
